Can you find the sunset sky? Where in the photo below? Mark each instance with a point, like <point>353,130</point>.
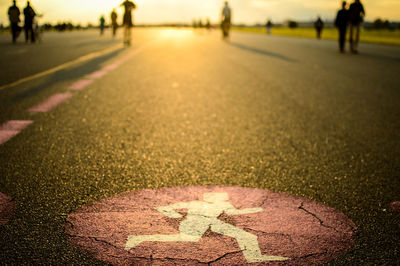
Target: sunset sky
<point>156,11</point>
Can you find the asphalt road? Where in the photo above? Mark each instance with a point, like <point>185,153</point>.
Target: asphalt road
<point>186,108</point>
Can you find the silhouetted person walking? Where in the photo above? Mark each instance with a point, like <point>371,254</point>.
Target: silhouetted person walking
<point>29,14</point>
<point>341,22</point>
<point>356,17</point>
<point>13,15</point>
<point>127,22</point>
<point>114,23</point>
<point>208,24</point>
<point>102,23</point>
<point>319,26</point>
<point>269,26</point>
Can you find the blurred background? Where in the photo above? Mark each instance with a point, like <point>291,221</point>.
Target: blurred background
<point>382,21</point>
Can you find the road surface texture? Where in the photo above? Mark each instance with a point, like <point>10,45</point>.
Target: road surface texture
<point>185,108</point>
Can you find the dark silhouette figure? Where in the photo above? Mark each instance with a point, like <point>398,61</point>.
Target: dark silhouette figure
<point>127,22</point>
<point>114,23</point>
<point>208,24</point>
<point>13,15</point>
<point>268,26</point>
<point>341,22</point>
<point>29,14</point>
<point>102,23</point>
<point>319,26</point>
<point>226,20</point>
<point>356,17</point>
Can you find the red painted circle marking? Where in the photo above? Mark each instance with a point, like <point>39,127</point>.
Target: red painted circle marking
<point>395,206</point>
<point>221,225</point>
<point>7,207</point>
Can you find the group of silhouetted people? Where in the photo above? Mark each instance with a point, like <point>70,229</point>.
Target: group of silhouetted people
<point>352,17</point>
<point>127,21</point>
<point>29,16</point>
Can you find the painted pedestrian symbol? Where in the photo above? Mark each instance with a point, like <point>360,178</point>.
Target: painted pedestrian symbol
<point>203,215</point>
<point>211,231</point>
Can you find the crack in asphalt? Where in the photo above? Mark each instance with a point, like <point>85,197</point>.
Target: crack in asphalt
<point>186,260</point>
<point>70,223</point>
<point>223,256</point>
<point>301,207</point>
<point>313,254</point>
<point>102,241</point>
<point>151,258</point>
<point>92,238</point>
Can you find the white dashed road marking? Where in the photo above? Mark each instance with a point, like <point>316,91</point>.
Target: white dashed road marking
<point>14,127</point>
<point>11,128</point>
<point>111,66</point>
<point>80,84</point>
<point>97,74</point>
<point>63,66</point>
<point>50,103</point>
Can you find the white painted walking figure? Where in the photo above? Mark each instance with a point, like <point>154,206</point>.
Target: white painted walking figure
<point>203,215</point>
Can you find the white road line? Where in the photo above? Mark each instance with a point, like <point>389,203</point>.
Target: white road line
<point>83,83</point>
<point>63,66</point>
<point>11,128</point>
<point>50,103</point>
<point>80,84</point>
<point>97,74</point>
